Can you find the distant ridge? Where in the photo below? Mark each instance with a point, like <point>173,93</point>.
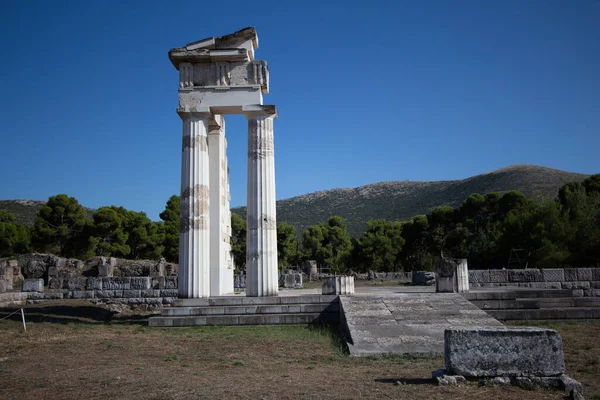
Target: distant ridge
<point>25,211</point>
<point>399,200</point>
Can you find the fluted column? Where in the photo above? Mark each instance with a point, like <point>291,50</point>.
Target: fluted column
<point>194,238</point>
<point>220,281</point>
<point>261,238</point>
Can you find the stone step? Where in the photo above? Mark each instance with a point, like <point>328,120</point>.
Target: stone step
<point>253,301</point>
<point>502,295</point>
<point>508,294</point>
<point>251,309</point>
<point>543,293</point>
<point>507,304</point>
<point>587,301</point>
<point>546,313</point>
<point>257,319</point>
<point>556,302</point>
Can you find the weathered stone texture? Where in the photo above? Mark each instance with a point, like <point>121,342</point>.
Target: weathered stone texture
<point>116,283</point>
<point>338,285</point>
<point>33,285</point>
<point>498,275</point>
<point>2,286</point>
<point>55,283</point>
<point>169,293</point>
<point>486,352</point>
<point>570,274</point>
<point>105,270</point>
<point>141,283</point>
<point>84,294</point>
<point>553,275</point>
<point>75,284</point>
<point>595,274</point>
<point>584,274</point>
<point>131,293</point>
<point>94,283</point>
<point>575,285</point>
<point>171,282</point>
<point>524,275</point>
<point>150,293</point>
<point>479,276</point>
<point>158,283</point>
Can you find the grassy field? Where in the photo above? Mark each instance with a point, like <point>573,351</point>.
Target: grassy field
<point>80,355</point>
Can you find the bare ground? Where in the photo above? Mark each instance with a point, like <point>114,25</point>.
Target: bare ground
<point>74,357</point>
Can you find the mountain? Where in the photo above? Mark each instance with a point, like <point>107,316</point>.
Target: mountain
<point>25,211</point>
<point>404,199</point>
<point>390,200</point>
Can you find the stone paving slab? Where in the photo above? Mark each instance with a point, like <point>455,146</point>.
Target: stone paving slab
<point>407,323</point>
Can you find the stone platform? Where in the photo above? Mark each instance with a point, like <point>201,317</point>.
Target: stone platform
<point>510,303</point>
<point>241,310</point>
<point>406,323</point>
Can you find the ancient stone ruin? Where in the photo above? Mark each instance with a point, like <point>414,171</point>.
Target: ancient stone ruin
<point>219,76</point>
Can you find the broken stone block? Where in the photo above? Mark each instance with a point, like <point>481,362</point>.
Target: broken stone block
<point>52,272</point>
<point>105,270</point>
<point>55,283</point>
<point>158,269</point>
<point>423,278</point>
<point>339,285</point>
<point>33,285</point>
<point>171,282</point>
<point>502,351</point>
<point>158,282</point>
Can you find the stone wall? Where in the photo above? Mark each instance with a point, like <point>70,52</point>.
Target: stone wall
<point>155,291</point>
<point>583,281</point>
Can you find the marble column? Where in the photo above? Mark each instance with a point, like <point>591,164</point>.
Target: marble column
<point>219,210</point>
<point>194,238</point>
<point>261,238</point>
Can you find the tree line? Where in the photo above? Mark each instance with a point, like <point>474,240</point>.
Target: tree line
<point>485,229</point>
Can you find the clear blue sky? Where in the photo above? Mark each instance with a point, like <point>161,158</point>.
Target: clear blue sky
<point>366,91</point>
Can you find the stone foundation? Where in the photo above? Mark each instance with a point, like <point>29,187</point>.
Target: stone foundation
<point>583,281</point>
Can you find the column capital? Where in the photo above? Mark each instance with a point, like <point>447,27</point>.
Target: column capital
<point>198,112</point>
<point>259,110</point>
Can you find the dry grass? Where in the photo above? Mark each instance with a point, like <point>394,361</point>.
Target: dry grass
<point>93,360</point>
<point>581,341</point>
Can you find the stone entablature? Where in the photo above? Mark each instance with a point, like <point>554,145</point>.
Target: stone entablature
<point>221,73</point>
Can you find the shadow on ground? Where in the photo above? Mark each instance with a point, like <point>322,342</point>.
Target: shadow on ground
<point>78,314</point>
